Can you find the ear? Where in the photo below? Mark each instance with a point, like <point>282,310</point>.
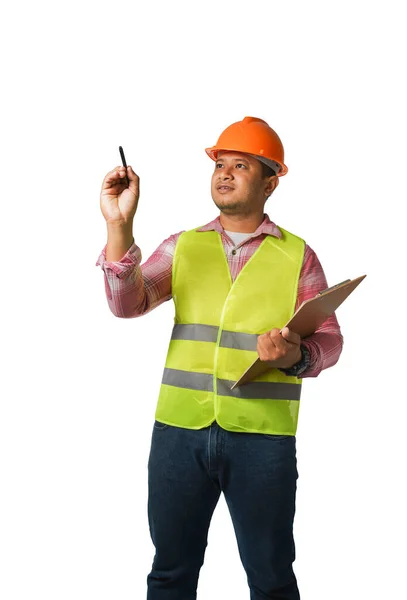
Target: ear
<point>271,185</point>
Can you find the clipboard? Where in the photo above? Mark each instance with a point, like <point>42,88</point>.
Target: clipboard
<point>306,319</point>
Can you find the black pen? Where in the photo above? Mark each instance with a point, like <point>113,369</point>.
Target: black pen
<point>124,164</point>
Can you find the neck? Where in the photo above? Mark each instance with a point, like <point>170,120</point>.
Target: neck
<point>241,223</point>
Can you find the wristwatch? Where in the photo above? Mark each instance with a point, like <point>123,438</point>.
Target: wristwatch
<point>300,366</point>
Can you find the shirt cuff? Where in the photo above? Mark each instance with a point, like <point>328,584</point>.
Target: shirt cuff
<point>301,366</point>
<point>123,266</point>
<point>310,359</point>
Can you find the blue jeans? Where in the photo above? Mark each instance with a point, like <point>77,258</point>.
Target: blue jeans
<point>187,471</point>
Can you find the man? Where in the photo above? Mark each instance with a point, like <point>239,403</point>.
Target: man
<point>235,282</point>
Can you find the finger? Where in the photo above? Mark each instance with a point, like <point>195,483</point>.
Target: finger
<point>266,350</point>
<point>273,334</point>
<point>290,336</point>
<point>115,177</point>
<point>266,339</point>
<point>265,345</point>
<point>115,171</point>
<point>115,174</point>
<point>277,339</point>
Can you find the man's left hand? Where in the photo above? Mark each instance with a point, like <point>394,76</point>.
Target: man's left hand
<point>281,349</point>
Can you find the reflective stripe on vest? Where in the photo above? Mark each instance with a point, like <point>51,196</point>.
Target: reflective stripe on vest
<point>258,389</point>
<point>209,333</point>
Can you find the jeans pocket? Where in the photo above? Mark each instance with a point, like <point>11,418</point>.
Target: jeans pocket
<point>160,426</point>
<point>275,436</point>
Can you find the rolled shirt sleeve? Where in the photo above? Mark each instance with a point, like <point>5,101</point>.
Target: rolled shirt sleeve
<point>133,289</point>
<point>325,345</point>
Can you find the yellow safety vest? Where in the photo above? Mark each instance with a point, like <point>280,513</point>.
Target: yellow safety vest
<point>214,338</point>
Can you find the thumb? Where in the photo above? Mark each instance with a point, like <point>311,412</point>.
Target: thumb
<point>290,336</point>
<point>131,174</point>
<point>134,181</point>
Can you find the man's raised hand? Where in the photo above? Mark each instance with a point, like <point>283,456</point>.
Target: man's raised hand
<point>118,202</point>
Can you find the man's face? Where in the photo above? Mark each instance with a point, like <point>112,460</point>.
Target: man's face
<point>238,186</point>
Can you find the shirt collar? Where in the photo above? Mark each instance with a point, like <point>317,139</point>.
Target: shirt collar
<point>267,227</point>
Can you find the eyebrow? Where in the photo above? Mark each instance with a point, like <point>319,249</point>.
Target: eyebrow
<point>235,158</point>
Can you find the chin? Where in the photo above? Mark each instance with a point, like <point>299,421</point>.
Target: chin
<point>229,208</point>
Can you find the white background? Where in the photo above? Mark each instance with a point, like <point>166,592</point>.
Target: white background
<point>79,386</point>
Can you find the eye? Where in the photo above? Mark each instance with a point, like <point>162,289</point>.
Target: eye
<point>218,165</point>
<point>241,165</point>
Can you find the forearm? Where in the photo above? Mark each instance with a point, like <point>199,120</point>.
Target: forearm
<point>119,239</point>
<point>132,289</point>
<point>325,347</point>
<point>124,286</point>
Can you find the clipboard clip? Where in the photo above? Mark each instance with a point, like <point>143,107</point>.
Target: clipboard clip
<point>333,287</point>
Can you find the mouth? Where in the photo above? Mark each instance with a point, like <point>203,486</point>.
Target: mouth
<point>224,188</point>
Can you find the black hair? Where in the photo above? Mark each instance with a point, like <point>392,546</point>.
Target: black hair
<point>267,171</point>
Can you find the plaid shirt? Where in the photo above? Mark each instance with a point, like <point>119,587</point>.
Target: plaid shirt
<point>134,289</point>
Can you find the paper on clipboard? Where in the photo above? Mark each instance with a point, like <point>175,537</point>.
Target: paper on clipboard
<point>307,318</point>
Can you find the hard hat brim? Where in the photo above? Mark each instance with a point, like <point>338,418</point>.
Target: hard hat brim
<point>212,152</point>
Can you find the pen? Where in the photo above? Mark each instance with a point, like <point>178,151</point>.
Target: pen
<point>124,164</point>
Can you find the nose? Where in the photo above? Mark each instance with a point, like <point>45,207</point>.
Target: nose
<point>226,173</point>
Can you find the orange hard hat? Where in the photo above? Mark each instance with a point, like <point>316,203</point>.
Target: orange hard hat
<point>252,136</point>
